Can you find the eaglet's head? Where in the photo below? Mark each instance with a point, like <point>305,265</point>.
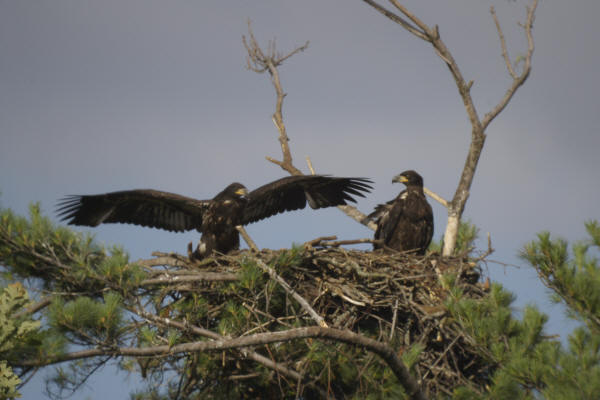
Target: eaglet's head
<point>409,178</point>
<point>235,190</point>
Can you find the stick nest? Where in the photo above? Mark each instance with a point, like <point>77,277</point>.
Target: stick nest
<point>394,298</point>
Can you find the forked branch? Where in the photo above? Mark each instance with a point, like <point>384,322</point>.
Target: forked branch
<point>517,80</point>
<point>259,61</point>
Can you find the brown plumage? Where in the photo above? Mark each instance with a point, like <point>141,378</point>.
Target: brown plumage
<point>405,223</point>
<point>216,219</point>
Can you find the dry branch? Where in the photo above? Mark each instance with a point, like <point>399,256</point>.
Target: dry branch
<point>436,197</point>
<point>247,238</point>
<point>260,62</point>
<point>200,276</point>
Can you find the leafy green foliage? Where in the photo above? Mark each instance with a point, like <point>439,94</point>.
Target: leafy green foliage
<point>15,334</point>
<point>8,382</point>
<point>14,298</point>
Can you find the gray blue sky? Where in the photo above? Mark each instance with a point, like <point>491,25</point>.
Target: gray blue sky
<point>118,94</point>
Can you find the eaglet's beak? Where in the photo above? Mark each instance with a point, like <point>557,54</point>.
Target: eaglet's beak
<point>400,179</point>
<point>242,192</point>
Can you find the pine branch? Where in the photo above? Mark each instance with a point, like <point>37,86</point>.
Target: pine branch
<point>382,350</point>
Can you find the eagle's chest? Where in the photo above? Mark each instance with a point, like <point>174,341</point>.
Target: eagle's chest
<point>223,215</point>
<point>411,206</point>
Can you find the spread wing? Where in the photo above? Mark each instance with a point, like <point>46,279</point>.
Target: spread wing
<point>146,207</point>
<point>293,192</point>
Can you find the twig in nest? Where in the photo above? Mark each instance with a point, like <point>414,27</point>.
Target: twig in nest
<point>330,241</point>
<point>170,259</point>
<point>489,250</point>
<point>346,242</point>
<point>317,242</point>
<point>200,276</point>
<point>394,318</point>
<point>338,292</point>
<point>303,303</point>
<point>442,356</point>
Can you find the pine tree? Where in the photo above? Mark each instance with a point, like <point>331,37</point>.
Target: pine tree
<point>389,322</point>
<point>574,279</point>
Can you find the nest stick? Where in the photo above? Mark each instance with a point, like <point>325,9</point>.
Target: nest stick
<point>318,319</point>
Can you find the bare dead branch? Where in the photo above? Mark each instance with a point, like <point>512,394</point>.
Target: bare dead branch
<point>520,80</point>
<point>436,197</point>
<point>315,242</point>
<point>505,55</point>
<point>414,19</point>
<point>330,241</point>
<point>394,319</point>
<point>173,260</point>
<point>247,238</point>
<point>339,243</point>
<point>358,216</point>
<point>260,62</point>
<point>489,250</point>
<point>397,19</point>
<point>198,276</point>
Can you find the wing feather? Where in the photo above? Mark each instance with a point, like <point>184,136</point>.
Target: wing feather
<point>391,219</point>
<point>293,192</point>
<point>145,207</point>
